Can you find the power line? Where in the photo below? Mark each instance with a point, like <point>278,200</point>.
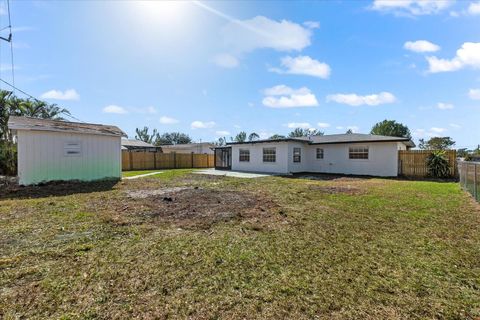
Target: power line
<point>11,42</point>
<point>34,98</point>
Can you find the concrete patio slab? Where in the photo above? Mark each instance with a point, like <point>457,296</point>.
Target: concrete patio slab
<point>142,175</point>
<point>235,174</point>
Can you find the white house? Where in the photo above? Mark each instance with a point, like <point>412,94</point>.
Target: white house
<point>59,150</point>
<point>356,154</point>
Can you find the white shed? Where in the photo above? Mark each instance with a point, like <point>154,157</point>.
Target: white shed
<point>51,150</point>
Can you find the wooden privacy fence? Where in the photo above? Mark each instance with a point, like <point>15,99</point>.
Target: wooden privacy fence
<point>413,163</point>
<point>469,173</point>
<point>157,160</point>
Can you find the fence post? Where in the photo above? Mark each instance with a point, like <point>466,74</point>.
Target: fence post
<point>192,160</point>
<point>155,160</point>
<point>130,159</point>
<point>174,160</point>
<point>475,181</point>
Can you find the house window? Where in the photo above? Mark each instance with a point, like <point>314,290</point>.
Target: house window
<point>297,154</point>
<point>72,149</point>
<point>269,155</point>
<point>358,153</point>
<point>244,155</point>
<point>319,153</point>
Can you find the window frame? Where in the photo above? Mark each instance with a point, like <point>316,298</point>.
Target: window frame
<point>317,153</point>
<point>358,153</point>
<point>272,155</point>
<point>246,157</point>
<point>297,158</point>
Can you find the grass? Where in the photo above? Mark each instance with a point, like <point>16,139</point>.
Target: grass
<point>137,173</point>
<point>341,248</point>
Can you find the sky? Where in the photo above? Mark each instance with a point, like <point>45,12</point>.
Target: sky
<point>214,68</point>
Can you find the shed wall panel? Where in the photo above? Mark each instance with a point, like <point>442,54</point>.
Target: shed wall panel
<point>41,157</point>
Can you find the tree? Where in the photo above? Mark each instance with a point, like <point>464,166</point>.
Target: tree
<point>172,138</point>
<point>253,136</point>
<point>436,143</point>
<point>299,132</point>
<point>11,105</point>
<point>277,137</point>
<point>349,131</point>
<point>240,137</point>
<point>143,135</point>
<point>220,142</point>
<point>391,128</point>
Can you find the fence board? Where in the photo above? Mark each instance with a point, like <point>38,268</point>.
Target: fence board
<point>413,163</point>
<point>157,160</point>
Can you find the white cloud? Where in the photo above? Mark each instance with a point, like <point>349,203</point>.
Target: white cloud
<point>261,32</point>
<point>432,132</point>
<point>222,133</point>
<point>353,99</point>
<point>444,106</point>
<point>467,56</point>
<point>411,7</point>
<point>474,94</point>
<point>474,8</point>
<point>226,60</point>
<point>421,46</point>
<point>202,125</point>
<point>236,126</point>
<point>304,65</point>
<point>437,130</point>
<point>303,125</point>
<point>69,94</point>
<point>167,120</point>
<point>312,24</point>
<point>323,125</point>
<point>115,109</point>
<point>282,96</point>
<point>455,126</point>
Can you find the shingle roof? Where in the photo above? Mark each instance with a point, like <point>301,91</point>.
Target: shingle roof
<point>36,124</point>
<point>136,143</point>
<point>337,138</point>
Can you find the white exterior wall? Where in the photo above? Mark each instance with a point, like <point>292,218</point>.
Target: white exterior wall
<point>382,158</point>
<point>256,163</point>
<point>41,157</point>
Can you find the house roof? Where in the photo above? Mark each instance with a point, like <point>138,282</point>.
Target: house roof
<point>136,143</point>
<point>336,138</point>
<point>36,124</point>
<point>187,145</point>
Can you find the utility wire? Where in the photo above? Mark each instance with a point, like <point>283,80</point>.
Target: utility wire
<point>11,43</point>
<point>34,98</point>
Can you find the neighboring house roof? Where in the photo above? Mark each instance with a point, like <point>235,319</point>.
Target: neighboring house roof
<point>132,143</point>
<point>36,124</point>
<point>187,145</point>
<point>337,138</point>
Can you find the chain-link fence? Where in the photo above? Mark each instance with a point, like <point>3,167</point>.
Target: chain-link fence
<point>469,173</point>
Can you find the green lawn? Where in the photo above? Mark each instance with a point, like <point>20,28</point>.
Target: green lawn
<point>136,173</point>
<point>182,245</point>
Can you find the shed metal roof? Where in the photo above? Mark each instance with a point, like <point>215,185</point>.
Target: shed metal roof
<point>36,124</point>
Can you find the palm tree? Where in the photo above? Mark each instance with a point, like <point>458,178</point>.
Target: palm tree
<point>240,137</point>
<point>253,136</point>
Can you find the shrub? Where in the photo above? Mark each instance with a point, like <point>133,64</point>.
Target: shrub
<point>8,158</point>
<point>437,165</point>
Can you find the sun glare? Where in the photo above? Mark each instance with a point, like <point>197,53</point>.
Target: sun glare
<point>163,12</point>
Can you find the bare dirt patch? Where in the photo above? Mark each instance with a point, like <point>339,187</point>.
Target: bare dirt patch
<point>195,207</point>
